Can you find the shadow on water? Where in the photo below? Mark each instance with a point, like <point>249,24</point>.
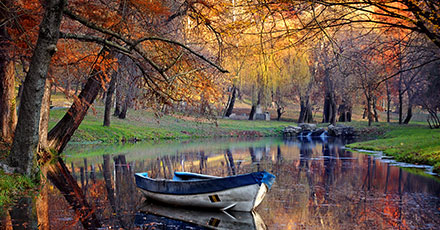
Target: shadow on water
<point>319,185</point>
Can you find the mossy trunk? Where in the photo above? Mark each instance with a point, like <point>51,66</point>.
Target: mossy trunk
<point>27,131</point>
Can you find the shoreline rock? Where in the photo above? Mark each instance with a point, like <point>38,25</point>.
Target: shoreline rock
<point>340,130</point>
<point>305,129</point>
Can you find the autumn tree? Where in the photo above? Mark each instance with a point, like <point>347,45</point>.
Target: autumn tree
<point>408,15</point>
<point>152,55</point>
<point>296,66</point>
<point>8,117</point>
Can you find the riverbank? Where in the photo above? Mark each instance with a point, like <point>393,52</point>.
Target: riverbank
<point>143,125</point>
<point>416,144</point>
<point>13,186</point>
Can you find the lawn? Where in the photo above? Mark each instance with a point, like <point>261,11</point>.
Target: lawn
<point>144,125</point>
<point>408,143</point>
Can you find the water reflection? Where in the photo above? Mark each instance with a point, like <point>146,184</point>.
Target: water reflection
<point>180,218</point>
<point>320,185</point>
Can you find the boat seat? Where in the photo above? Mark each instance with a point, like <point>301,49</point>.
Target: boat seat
<point>185,176</point>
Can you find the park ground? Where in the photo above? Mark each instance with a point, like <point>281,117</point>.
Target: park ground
<point>413,143</point>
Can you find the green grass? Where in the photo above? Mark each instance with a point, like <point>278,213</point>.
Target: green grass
<point>143,125</point>
<point>11,187</point>
<point>407,143</point>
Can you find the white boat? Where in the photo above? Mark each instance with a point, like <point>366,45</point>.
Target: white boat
<point>236,193</point>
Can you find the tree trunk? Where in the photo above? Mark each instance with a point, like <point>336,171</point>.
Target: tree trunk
<point>121,85</point>
<point>433,120</point>
<point>231,102</point>
<point>279,113</point>
<point>65,128</point>
<point>333,110</point>
<point>252,113</point>
<point>108,99</point>
<point>409,113</point>
<point>329,115</point>
<point>309,114</point>
<point>342,113</point>
<point>123,113</point>
<point>8,116</point>
<point>256,105</point>
<point>302,111</point>
<point>118,98</point>
<point>376,116</point>
<point>400,105</point>
<point>127,102</point>
<point>43,153</point>
<point>349,112</point>
<point>388,101</point>
<point>67,87</point>
<point>26,133</point>
<point>369,113</point>
<point>325,111</point>
<point>305,114</point>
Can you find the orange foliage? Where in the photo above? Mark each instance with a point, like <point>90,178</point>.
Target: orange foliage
<point>185,79</point>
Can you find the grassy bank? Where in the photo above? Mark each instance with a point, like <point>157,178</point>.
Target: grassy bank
<point>11,187</point>
<point>409,143</point>
<point>143,125</point>
<point>414,143</point>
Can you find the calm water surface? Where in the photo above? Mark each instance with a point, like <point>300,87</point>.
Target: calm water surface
<point>319,185</point>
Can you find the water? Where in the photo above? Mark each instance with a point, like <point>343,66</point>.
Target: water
<point>319,185</point>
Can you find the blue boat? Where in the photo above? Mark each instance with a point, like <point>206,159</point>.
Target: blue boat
<point>236,193</point>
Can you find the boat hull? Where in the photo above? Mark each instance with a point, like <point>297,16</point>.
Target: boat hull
<point>244,198</point>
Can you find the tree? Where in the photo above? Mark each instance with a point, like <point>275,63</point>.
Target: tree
<point>407,15</point>
<point>297,67</point>
<point>8,116</point>
<point>429,99</point>
<point>156,76</point>
<point>27,131</point>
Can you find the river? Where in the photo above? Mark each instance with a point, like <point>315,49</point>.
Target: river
<point>319,185</point>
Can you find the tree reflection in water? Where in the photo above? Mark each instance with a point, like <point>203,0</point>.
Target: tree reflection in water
<point>319,185</point>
